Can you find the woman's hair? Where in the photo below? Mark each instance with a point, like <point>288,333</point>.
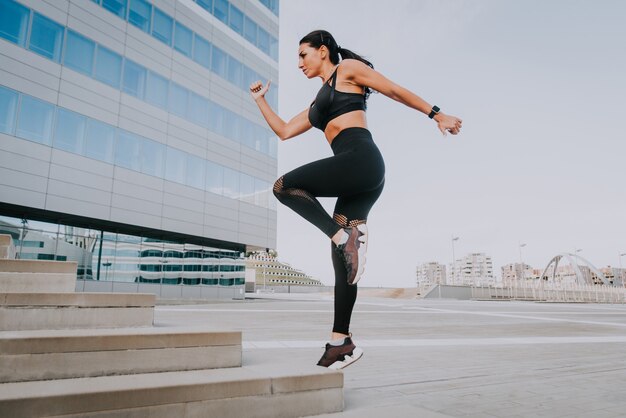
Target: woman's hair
<point>317,38</point>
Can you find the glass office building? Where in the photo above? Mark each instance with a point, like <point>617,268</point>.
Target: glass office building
<point>131,118</point>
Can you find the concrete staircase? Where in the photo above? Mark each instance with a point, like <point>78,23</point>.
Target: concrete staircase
<point>67,354</point>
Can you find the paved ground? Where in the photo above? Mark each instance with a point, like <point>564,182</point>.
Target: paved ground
<point>444,358</point>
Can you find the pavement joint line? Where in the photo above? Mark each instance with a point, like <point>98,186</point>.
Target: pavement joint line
<point>439,342</point>
<point>504,315</point>
<point>428,311</point>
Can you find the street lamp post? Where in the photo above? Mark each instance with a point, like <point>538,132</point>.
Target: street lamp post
<point>106,265</point>
<point>453,260</point>
<point>621,272</point>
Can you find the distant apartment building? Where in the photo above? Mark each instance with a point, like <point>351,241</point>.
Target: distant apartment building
<point>616,276</point>
<point>517,273</point>
<point>474,269</point>
<point>431,273</point>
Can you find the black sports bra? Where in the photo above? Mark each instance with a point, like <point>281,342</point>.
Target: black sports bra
<point>330,103</point>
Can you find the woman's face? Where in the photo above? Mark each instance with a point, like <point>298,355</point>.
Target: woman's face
<point>310,60</point>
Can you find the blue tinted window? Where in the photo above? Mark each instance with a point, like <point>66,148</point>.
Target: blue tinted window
<point>127,150</point>
<point>79,52</point>
<point>195,172</point>
<point>156,90</point>
<point>263,41</point>
<point>99,140</point>
<point>214,178</point>
<point>231,125</point>
<point>202,51</point>
<point>249,76</point>
<point>8,108</point>
<point>108,67</point>
<point>198,110</point>
<point>46,37</point>
<point>69,132</point>
<point>249,30</point>
<point>35,120</point>
<point>234,71</point>
<point>13,22</point>
<point>218,61</point>
<point>182,39</point>
<point>140,14</point>
<point>175,165</point>
<point>117,7</point>
<point>272,146</point>
<point>216,117</point>
<point>220,10</point>
<point>231,183</point>
<point>247,134</point>
<point>152,156</point>
<point>274,48</point>
<point>206,4</point>
<point>162,27</point>
<point>246,188</point>
<point>134,79</point>
<point>178,99</point>
<point>261,193</point>
<point>236,19</point>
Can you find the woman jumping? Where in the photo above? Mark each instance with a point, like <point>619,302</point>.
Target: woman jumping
<point>355,175</point>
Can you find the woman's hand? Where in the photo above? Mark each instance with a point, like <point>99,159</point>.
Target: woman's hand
<point>448,123</point>
<point>258,90</point>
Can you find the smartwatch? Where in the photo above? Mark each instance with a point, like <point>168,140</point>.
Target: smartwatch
<point>433,112</point>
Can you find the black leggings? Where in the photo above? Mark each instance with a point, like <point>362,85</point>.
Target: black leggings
<point>356,176</point>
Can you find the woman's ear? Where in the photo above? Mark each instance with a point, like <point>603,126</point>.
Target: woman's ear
<point>323,51</point>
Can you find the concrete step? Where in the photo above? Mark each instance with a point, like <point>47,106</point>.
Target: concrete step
<point>38,266</point>
<point>31,311</point>
<point>249,391</point>
<point>63,354</point>
<point>11,282</point>
<point>37,276</point>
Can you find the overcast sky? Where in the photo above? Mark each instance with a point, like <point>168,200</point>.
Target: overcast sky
<point>540,87</point>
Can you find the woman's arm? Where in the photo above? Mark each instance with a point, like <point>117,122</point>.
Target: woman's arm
<point>284,130</point>
<point>363,75</point>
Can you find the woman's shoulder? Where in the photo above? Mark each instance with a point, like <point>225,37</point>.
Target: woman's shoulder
<point>351,66</point>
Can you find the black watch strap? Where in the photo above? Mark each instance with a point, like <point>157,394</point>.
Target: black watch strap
<point>433,112</point>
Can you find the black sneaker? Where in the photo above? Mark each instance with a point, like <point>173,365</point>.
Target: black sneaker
<point>339,356</point>
<point>353,252</point>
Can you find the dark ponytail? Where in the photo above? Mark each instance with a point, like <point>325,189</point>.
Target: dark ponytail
<point>317,38</point>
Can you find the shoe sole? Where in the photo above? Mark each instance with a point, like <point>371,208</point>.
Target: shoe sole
<point>357,353</point>
<point>362,251</point>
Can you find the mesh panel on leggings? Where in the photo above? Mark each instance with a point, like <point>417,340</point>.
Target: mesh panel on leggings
<point>342,220</point>
<point>279,190</point>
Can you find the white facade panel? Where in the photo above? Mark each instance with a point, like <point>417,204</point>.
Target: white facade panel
<point>134,217</point>
<point>79,207</point>
<point>179,202</point>
<point>133,190</point>
<point>87,18</point>
<point>24,164</point>
<point>28,149</point>
<point>133,177</point>
<point>100,184</point>
<point>78,192</point>
<point>137,205</point>
<point>56,10</point>
<point>85,165</point>
<point>26,181</point>
<point>22,197</point>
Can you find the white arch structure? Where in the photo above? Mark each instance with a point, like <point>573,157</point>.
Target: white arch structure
<point>573,261</point>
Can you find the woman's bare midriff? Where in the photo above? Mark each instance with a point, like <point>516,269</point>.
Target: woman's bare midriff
<point>354,119</point>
